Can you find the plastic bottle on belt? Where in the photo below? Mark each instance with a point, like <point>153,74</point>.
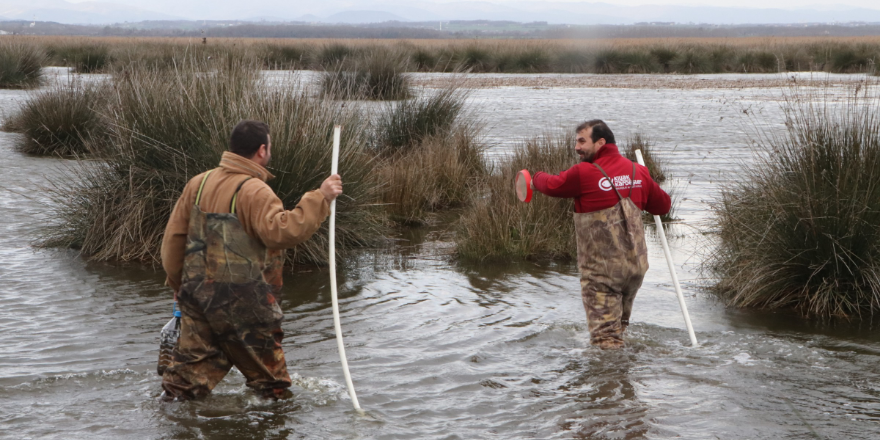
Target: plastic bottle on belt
<point>168,340</point>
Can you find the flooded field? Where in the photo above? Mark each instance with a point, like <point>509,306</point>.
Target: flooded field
<point>443,350</point>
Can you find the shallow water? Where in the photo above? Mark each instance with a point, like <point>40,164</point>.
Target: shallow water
<point>440,350</point>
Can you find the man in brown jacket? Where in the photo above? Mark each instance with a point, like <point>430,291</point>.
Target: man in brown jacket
<point>222,251</point>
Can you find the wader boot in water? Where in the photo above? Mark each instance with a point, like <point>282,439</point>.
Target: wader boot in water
<point>613,259</point>
<point>231,317</point>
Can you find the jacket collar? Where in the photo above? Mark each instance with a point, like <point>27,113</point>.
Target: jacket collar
<point>607,150</point>
<point>237,164</point>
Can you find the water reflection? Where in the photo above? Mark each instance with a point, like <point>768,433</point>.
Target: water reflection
<point>605,399</point>
<point>232,417</point>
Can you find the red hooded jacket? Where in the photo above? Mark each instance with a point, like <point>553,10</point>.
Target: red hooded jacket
<point>591,190</point>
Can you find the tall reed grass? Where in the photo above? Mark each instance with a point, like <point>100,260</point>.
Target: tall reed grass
<point>654,164</point>
<point>377,74</point>
<point>82,55</point>
<point>798,229</point>
<point>60,120</point>
<point>693,55</point>
<point>169,125</point>
<point>430,153</point>
<point>20,64</point>
<point>402,126</point>
<point>440,173</point>
<point>497,226</point>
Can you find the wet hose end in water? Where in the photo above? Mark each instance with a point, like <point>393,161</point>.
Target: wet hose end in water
<point>337,130</point>
<point>662,234</point>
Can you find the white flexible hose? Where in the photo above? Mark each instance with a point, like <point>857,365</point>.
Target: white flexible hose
<point>662,234</point>
<point>336,325</point>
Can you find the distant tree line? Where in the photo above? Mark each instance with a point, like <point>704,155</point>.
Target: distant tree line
<point>425,30</point>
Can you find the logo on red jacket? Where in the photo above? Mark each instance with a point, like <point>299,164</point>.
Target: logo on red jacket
<point>620,182</point>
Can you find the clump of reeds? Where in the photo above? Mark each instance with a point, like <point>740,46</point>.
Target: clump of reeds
<point>378,74</point>
<point>654,165</point>
<point>799,228</point>
<point>84,57</point>
<point>149,56</point>
<point>20,65</point>
<point>438,174</point>
<point>430,152</point>
<point>60,120</point>
<point>286,57</point>
<point>166,126</point>
<point>497,226</point>
<point>403,125</point>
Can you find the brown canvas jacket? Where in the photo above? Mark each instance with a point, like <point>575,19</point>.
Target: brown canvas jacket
<point>260,211</point>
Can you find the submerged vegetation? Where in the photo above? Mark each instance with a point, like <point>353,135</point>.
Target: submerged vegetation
<point>799,229</point>
<point>21,64</point>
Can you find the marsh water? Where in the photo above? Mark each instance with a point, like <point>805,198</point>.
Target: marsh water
<point>440,349</point>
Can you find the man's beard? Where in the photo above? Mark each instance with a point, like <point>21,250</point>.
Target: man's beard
<point>588,157</point>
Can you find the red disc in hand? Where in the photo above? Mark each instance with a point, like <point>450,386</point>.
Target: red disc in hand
<point>524,186</point>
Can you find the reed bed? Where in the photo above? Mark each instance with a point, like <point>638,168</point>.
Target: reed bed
<point>83,56</point>
<point>437,175</point>
<point>61,120</point>
<point>377,74</point>
<point>402,126</point>
<point>430,153</point>
<point>21,64</point>
<point>496,226</point>
<point>610,56</point>
<point>640,142</point>
<point>168,125</point>
<point>799,228</point>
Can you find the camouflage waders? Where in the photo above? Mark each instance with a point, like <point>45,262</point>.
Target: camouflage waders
<point>231,315</point>
<point>613,259</point>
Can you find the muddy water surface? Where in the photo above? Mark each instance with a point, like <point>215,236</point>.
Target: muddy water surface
<point>440,350</point>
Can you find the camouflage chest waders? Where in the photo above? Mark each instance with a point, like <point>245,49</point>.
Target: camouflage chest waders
<point>613,259</point>
<point>231,315</point>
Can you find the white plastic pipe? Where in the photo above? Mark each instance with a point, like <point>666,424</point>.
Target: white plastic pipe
<point>337,130</point>
<point>684,310</point>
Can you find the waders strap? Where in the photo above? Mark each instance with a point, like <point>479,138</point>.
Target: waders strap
<point>235,196</point>
<point>609,181</point>
<point>632,181</point>
<point>201,187</point>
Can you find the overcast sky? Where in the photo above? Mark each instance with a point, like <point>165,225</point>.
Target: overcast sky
<point>786,4</point>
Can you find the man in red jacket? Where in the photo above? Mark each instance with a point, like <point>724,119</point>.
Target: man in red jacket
<point>610,192</point>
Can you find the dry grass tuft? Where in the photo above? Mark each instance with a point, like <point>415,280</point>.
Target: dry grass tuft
<point>60,120</point>
<point>21,64</point>
<point>497,226</point>
<point>169,125</point>
<point>799,228</point>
